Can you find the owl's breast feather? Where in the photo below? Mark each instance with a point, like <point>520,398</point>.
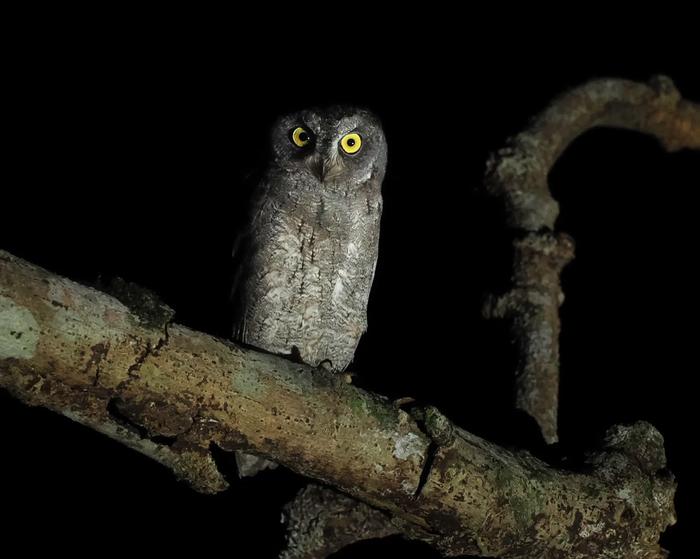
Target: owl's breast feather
<point>315,263</point>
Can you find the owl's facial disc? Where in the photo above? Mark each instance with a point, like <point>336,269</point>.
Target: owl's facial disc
<point>337,146</point>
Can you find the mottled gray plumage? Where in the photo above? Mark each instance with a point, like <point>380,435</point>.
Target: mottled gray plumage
<point>308,254</point>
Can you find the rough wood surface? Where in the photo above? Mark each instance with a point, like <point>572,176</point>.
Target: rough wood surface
<point>518,174</point>
<point>321,521</point>
<point>172,393</point>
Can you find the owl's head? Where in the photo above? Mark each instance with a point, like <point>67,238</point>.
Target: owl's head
<point>335,146</point>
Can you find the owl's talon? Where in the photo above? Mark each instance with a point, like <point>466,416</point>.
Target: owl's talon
<point>326,365</point>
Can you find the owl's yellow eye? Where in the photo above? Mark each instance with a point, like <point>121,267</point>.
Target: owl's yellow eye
<point>300,137</point>
<point>351,143</point>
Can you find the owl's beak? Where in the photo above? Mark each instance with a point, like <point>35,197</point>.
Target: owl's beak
<point>319,166</point>
<point>326,168</point>
<point>323,167</point>
<point>316,165</point>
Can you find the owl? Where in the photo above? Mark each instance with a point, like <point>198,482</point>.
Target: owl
<point>307,257</point>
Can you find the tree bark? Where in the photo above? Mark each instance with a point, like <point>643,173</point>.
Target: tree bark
<point>321,521</point>
<point>123,368</point>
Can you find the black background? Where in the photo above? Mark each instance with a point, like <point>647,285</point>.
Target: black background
<point>129,158</point>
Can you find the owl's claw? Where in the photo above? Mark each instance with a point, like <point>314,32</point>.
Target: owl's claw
<point>326,365</point>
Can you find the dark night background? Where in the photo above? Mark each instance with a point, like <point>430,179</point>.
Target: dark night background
<point>130,161</point>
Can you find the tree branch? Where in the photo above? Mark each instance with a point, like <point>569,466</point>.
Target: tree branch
<point>518,175</point>
<point>171,393</point>
<point>321,521</point>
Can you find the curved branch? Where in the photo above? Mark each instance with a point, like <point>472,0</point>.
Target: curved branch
<point>171,393</point>
<point>518,174</point>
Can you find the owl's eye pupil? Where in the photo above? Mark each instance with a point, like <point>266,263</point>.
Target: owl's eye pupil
<point>303,136</point>
<point>351,142</point>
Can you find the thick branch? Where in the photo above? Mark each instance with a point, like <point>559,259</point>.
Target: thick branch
<point>518,174</point>
<point>171,393</point>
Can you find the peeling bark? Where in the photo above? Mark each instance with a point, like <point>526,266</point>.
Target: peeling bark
<point>518,174</point>
<point>171,392</point>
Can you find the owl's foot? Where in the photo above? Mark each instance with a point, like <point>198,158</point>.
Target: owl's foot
<point>326,365</point>
<point>295,355</point>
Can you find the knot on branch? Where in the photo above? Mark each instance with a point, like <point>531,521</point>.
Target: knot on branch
<point>150,310</point>
<point>641,442</point>
<point>632,464</point>
<point>539,258</point>
<point>517,176</point>
<point>631,454</point>
<point>438,427</point>
<point>538,261</point>
<point>666,91</point>
<point>320,521</point>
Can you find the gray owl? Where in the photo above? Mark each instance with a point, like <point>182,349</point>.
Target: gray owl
<point>308,254</point>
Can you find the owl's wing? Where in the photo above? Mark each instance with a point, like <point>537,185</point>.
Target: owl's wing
<point>243,246</point>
